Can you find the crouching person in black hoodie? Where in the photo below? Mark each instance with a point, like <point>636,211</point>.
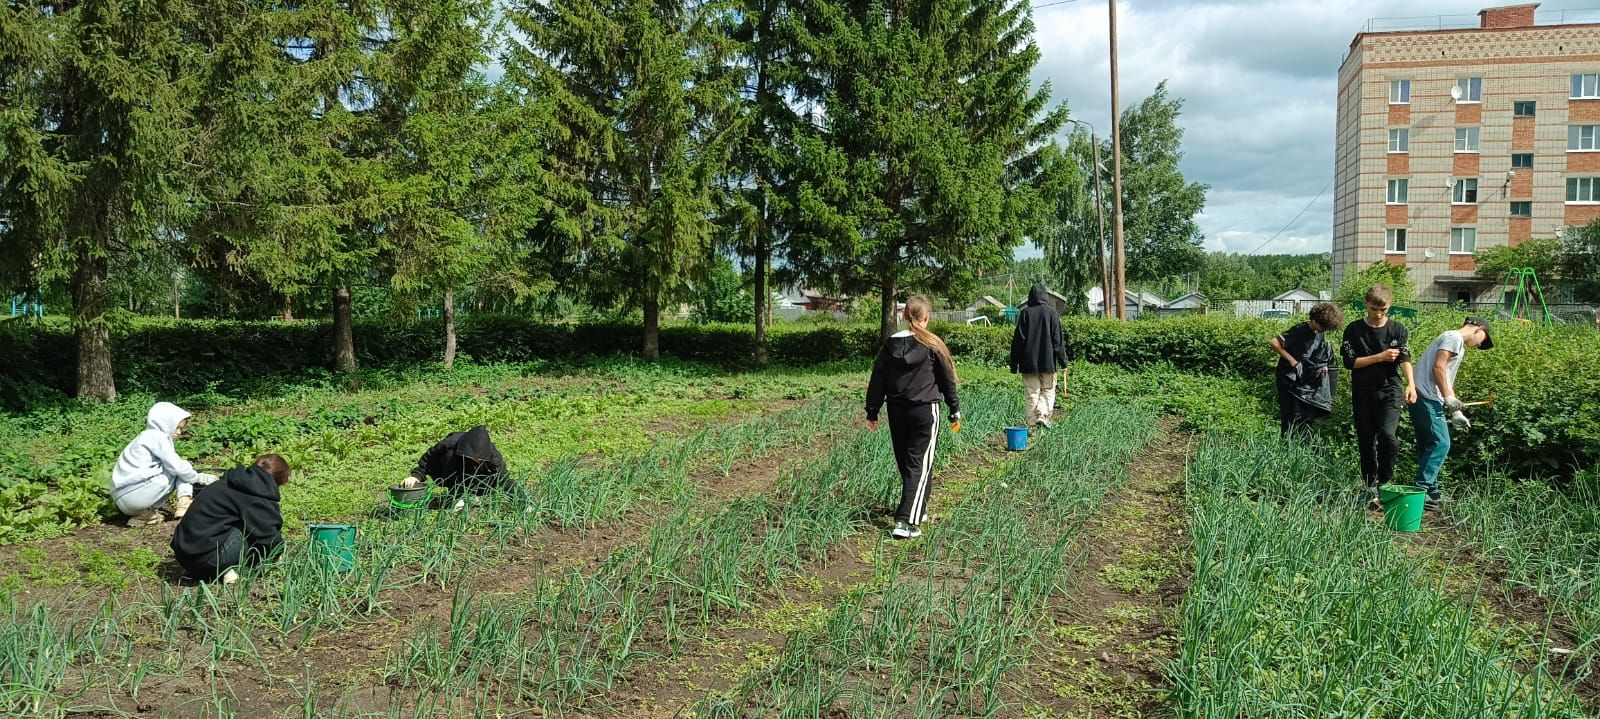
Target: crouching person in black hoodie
<point>463,462</point>
<point>912,370</point>
<point>235,521</point>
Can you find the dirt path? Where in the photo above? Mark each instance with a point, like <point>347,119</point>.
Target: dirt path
<point>1103,645</point>
<point>728,652</point>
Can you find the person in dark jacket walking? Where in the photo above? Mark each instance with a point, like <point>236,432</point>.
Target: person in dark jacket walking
<point>463,462</point>
<point>912,371</point>
<point>1375,347</point>
<point>1306,373</point>
<point>1036,353</point>
<point>234,521</point>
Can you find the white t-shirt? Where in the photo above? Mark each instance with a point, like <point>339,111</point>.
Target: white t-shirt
<point>1449,342</point>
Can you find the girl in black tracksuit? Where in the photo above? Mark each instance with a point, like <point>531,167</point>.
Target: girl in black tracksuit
<point>912,370</point>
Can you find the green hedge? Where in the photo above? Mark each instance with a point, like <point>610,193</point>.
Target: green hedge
<point>1546,380</point>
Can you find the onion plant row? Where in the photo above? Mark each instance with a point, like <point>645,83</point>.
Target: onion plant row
<point>1549,542</point>
<point>45,650</point>
<point>938,631</point>
<point>1301,605</point>
<point>579,632</point>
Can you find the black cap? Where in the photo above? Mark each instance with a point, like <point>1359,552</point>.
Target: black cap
<point>1488,342</point>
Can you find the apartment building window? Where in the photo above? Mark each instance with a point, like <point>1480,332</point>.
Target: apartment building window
<point>1400,140</point>
<point>1583,137</point>
<point>1463,240</point>
<point>1471,89</point>
<point>1583,86</point>
<point>1397,192</point>
<point>1465,192</point>
<point>1466,139</point>
<point>1522,209</point>
<point>1400,92</point>
<point>1521,159</point>
<point>1522,108</point>
<point>1394,241</point>
<point>1583,190</point>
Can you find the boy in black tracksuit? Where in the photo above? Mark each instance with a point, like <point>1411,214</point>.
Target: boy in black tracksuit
<point>234,521</point>
<point>1373,347</point>
<point>911,376</point>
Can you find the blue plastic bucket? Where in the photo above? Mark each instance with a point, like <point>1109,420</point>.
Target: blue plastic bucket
<point>1016,438</point>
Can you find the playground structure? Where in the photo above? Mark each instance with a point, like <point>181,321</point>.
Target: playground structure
<point>1522,298</point>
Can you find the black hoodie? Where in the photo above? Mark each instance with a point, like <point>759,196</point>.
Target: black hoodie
<point>908,373</point>
<point>1036,346</point>
<point>463,458</point>
<point>246,500</point>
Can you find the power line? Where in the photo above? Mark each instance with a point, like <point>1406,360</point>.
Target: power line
<point>1053,4</point>
<point>1296,217</point>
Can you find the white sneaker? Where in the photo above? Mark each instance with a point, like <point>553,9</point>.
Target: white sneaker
<point>460,505</point>
<point>230,577</point>
<point>147,518</point>
<point>903,530</point>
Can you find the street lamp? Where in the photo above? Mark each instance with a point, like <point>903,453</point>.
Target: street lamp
<point>1106,302</point>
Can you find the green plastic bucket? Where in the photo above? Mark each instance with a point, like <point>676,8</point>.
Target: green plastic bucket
<point>334,544</point>
<point>410,497</point>
<point>1402,506</point>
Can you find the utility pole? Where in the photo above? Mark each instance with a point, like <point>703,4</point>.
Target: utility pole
<point>1100,239</point>
<point>1117,250</point>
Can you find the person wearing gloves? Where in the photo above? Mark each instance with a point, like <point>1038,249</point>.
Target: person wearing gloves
<point>149,469</point>
<point>911,372</point>
<point>1376,351</point>
<point>1036,353</point>
<point>236,522</point>
<point>1306,373</point>
<point>1438,409</point>
<point>463,462</point>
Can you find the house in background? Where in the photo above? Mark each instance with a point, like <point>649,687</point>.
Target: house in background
<point>1192,303</point>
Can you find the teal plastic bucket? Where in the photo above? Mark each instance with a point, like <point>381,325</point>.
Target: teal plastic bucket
<point>1402,506</point>
<point>334,544</point>
<point>1016,438</point>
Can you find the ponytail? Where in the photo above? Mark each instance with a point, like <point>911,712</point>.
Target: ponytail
<point>916,313</point>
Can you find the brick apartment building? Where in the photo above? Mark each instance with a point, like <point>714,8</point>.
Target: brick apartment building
<point>1425,179</point>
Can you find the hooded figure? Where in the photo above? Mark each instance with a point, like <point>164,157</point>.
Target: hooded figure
<point>149,469</point>
<point>464,461</point>
<point>238,521</point>
<point>1037,351</point>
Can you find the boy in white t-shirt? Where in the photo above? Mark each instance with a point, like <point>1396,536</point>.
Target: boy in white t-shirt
<point>1437,408</point>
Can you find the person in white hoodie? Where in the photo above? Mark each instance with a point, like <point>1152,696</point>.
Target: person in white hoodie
<point>149,469</point>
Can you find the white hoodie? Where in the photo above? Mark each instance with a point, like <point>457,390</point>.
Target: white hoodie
<point>151,454</point>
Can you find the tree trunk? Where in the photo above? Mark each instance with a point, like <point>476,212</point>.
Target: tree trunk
<point>652,327</point>
<point>344,336</point>
<point>449,329</point>
<point>288,310</point>
<point>762,297</point>
<point>93,334</point>
<point>177,296</point>
<point>887,319</point>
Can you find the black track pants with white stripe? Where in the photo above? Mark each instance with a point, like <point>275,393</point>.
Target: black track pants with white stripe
<point>913,428</point>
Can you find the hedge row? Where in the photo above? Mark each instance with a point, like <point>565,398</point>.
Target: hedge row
<point>1547,381</point>
<point>181,357</point>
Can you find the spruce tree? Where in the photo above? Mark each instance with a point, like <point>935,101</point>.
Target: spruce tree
<point>95,119</point>
<point>919,164</point>
<point>641,99</point>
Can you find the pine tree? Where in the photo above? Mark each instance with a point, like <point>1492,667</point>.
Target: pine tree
<point>918,167</point>
<point>95,117</point>
<point>641,96</point>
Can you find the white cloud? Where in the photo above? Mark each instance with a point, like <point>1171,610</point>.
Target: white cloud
<point>1258,82</point>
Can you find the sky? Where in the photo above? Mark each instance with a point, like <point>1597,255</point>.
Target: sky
<point>1258,82</point>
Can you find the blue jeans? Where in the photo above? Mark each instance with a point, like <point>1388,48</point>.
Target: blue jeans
<point>1433,442</point>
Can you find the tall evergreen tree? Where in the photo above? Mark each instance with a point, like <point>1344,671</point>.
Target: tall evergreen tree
<point>295,192</point>
<point>463,189</point>
<point>919,164</point>
<point>95,112</point>
<point>643,107</point>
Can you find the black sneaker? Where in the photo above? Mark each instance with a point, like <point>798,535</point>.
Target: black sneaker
<point>1431,504</point>
<point>1369,497</point>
